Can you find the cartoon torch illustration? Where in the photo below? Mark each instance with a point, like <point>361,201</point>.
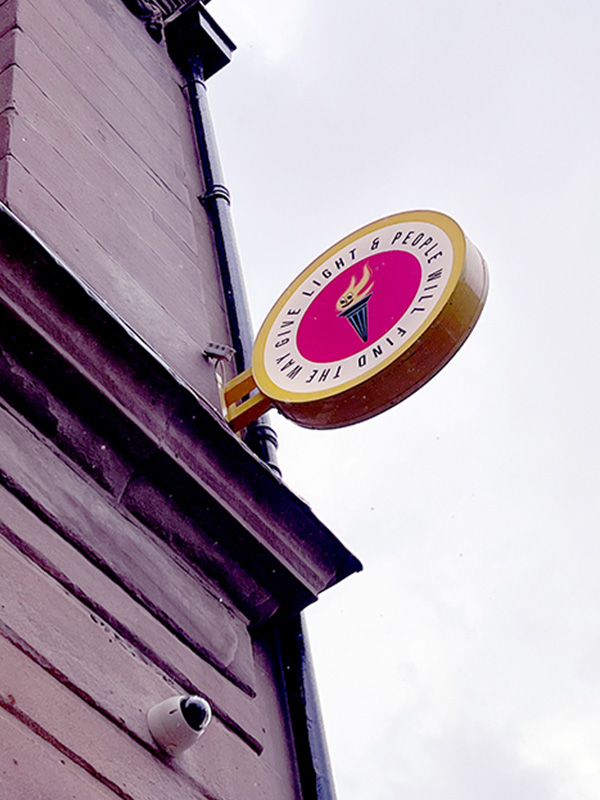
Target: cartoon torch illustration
<point>352,304</point>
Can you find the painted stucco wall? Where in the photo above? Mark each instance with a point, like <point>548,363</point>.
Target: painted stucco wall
<point>117,591</point>
<point>143,551</point>
<point>98,158</point>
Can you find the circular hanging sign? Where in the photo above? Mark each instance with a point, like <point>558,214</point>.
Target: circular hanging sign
<point>371,320</point>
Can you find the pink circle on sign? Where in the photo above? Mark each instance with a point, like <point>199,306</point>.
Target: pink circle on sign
<point>391,281</point>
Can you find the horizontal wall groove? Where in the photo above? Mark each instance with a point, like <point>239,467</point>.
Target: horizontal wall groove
<point>147,653</point>
<point>33,726</point>
<point>10,706</point>
<point>132,591</point>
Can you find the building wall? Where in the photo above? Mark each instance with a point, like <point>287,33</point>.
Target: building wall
<point>116,588</point>
<point>82,661</point>
<point>145,552</point>
<point>97,157</point>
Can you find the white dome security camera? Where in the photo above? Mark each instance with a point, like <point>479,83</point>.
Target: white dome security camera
<point>176,723</point>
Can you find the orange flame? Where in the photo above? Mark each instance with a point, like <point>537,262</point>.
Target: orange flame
<point>355,291</point>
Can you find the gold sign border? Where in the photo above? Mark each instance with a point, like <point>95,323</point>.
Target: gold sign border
<point>400,374</point>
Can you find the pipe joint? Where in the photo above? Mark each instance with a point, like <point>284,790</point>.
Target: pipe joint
<point>193,82</point>
<point>216,192</point>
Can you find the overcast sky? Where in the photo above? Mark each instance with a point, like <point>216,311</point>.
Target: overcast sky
<point>464,662</point>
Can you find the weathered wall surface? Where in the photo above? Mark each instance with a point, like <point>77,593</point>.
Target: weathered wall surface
<point>115,592</point>
<point>82,661</point>
<point>106,607</point>
<point>144,551</point>
<point>97,157</point>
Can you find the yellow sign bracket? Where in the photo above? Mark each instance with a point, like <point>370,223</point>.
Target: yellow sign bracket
<point>243,401</point>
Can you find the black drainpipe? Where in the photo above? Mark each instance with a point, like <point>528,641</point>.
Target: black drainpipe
<point>199,48</point>
<point>316,779</point>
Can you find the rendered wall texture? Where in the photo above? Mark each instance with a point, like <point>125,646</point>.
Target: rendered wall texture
<point>97,157</point>
<point>122,536</point>
<point>145,551</point>
<point>113,593</point>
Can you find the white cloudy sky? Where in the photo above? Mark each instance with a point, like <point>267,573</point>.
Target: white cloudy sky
<point>464,662</point>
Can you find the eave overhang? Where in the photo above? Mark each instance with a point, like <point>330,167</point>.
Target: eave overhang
<point>142,435</point>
